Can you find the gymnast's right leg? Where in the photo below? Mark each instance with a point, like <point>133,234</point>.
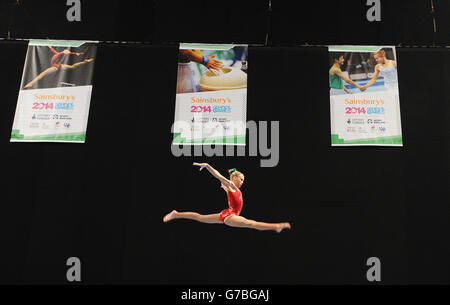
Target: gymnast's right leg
<point>241,222</point>
<point>210,218</point>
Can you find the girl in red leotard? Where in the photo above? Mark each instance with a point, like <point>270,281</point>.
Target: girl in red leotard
<point>230,216</point>
<point>57,65</point>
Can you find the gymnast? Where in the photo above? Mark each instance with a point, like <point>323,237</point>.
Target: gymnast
<point>230,216</point>
<point>337,77</point>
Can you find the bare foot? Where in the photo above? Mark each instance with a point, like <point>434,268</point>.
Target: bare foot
<point>27,86</point>
<point>283,225</point>
<point>89,60</point>
<point>170,216</point>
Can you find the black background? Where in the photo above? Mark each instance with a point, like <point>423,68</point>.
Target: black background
<point>100,20</point>
<point>162,21</point>
<point>103,201</point>
<point>403,22</point>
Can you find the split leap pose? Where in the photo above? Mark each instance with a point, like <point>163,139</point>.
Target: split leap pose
<point>228,216</point>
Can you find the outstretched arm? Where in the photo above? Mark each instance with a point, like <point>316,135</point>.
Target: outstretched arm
<point>225,182</point>
<point>68,52</point>
<point>346,79</point>
<point>51,49</point>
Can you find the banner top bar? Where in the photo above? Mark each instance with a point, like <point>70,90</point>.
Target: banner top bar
<point>59,43</point>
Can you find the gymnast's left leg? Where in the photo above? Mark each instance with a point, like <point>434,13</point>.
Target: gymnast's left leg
<point>241,222</point>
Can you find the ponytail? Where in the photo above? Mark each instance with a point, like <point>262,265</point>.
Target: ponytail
<point>231,171</point>
<point>234,172</point>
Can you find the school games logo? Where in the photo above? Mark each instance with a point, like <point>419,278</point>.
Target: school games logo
<point>200,120</point>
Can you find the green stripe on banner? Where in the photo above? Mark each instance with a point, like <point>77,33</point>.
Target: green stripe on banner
<point>353,48</point>
<point>394,140</point>
<point>69,137</point>
<point>219,47</point>
<point>59,43</point>
<point>15,134</point>
<point>177,139</point>
<point>336,140</point>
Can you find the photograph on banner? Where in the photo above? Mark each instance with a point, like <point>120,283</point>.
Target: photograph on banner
<point>364,96</point>
<point>55,92</point>
<point>211,95</point>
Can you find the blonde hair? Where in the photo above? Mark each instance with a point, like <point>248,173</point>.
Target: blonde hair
<point>233,172</point>
<point>381,53</point>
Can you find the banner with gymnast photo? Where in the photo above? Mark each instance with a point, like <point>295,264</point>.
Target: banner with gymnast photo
<point>211,95</point>
<point>55,92</point>
<point>364,96</point>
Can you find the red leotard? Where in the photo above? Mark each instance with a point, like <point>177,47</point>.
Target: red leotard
<point>235,203</point>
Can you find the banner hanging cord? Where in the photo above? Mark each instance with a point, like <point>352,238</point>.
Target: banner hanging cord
<point>292,45</point>
<point>433,15</point>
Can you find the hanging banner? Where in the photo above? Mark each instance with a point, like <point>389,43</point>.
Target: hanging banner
<point>55,92</point>
<point>364,96</point>
<point>211,96</point>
